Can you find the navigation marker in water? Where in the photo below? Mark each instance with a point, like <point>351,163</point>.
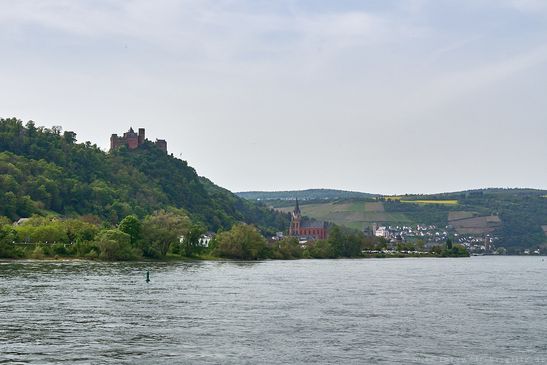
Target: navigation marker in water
<point>148,276</point>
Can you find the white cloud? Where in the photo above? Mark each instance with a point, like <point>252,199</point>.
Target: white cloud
<point>206,24</point>
<point>529,6</point>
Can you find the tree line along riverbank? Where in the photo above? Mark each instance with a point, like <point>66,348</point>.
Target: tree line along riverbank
<point>170,234</point>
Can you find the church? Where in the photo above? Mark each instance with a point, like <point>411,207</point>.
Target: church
<point>307,230</point>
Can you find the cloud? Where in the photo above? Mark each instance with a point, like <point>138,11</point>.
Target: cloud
<point>357,75</point>
<point>215,28</point>
<point>450,48</point>
<point>529,6</point>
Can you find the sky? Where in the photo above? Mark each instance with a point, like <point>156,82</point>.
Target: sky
<point>415,96</point>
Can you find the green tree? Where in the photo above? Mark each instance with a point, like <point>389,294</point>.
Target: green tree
<point>8,204</point>
<point>242,242</point>
<point>501,251</point>
<point>436,250</point>
<point>190,243</point>
<point>345,243</point>
<point>381,244</point>
<point>321,249</point>
<point>457,251</point>
<point>405,247</point>
<point>162,229</point>
<point>115,245</point>
<point>69,137</point>
<point>336,241</point>
<point>132,226</point>
<point>7,236</point>
<point>31,128</point>
<point>43,230</point>
<point>287,249</point>
<point>80,231</point>
<point>368,242</point>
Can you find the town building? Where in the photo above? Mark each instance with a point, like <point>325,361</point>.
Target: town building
<point>382,232</point>
<point>132,140</point>
<point>306,230</point>
<point>203,241</point>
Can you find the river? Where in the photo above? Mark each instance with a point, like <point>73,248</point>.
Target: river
<point>478,310</point>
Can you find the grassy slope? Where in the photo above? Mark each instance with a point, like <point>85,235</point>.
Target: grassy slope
<point>309,194</point>
<point>353,214</point>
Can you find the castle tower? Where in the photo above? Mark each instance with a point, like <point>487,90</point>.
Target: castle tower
<point>141,136</point>
<point>131,139</point>
<point>296,218</point>
<point>162,144</point>
<point>114,142</point>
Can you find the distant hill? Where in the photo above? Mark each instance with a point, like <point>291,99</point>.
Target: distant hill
<point>44,171</point>
<point>309,194</point>
<point>517,216</point>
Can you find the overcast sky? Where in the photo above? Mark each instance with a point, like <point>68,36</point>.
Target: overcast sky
<point>379,96</point>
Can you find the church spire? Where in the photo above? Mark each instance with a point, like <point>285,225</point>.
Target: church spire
<point>297,208</point>
<point>296,217</point>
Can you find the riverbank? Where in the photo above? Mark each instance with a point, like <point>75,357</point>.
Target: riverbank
<point>178,258</point>
<point>241,242</point>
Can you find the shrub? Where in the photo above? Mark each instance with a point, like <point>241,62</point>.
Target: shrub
<point>60,249</point>
<point>38,253</point>
<point>114,244</point>
<point>242,242</point>
<point>287,249</point>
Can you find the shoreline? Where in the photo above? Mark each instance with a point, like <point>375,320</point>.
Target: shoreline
<point>219,259</point>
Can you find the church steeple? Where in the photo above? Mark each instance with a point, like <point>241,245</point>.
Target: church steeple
<point>296,217</point>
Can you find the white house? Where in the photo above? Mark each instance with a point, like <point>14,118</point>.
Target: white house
<point>382,232</point>
<point>204,240</point>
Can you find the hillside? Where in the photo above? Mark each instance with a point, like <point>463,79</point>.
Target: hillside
<point>516,216</point>
<point>309,194</point>
<point>44,171</point>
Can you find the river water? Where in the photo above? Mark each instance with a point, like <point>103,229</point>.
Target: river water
<point>479,310</point>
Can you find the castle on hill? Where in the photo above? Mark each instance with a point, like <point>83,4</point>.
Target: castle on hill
<point>132,140</point>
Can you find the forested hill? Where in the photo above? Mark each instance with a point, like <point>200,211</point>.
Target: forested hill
<point>45,171</point>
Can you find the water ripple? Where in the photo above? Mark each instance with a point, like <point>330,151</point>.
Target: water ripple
<point>484,310</point>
